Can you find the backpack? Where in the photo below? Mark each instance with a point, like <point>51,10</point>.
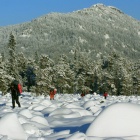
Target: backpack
<point>17,86</point>
<point>55,90</point>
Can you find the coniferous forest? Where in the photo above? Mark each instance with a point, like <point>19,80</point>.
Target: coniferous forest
<point>80,73</point>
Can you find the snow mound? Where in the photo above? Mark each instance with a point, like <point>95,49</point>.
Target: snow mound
<point>10,126</point>
<point>40,120</point>
<point>82,112</point>
<point>30,128</point>
<point>48,110</point>
<point>46,102</point>
<point>62,111</point>
<point>39,108</point>
<point>73,106</point>
<point>119,119</point>
<point>89,104</point>
<point>77,136</point>
<point>95,109</point>
<point>26,113</point>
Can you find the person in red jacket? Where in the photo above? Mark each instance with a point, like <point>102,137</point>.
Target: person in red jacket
<point>52,93</point>
<point>82,94</point>
<point>105,95</point>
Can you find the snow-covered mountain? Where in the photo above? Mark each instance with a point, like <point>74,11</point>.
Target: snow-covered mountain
<point>98,29</point>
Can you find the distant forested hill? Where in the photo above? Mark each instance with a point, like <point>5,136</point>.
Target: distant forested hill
<point>98,30</point>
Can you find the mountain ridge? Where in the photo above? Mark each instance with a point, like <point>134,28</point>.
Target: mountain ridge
<point>98,29</point>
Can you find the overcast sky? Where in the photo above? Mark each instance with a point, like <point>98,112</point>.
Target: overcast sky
<point>19,11</point>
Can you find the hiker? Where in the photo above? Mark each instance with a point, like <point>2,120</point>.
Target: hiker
<point>15,93</point>
<point>105,95</point>
<point>52,93</point>
<point>82,94</point>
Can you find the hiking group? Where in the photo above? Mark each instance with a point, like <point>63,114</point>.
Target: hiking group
<point>16,90</point>
<point>105,94</point>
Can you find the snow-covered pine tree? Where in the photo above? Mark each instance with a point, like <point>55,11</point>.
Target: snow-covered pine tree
<point>83,68</point>
<point>64,76</point>
<point>44,75</point>
<point>136,78</point>
<point>126,82</point>
<point>21,66</point>
<point>29,77</point>
<point>21,62</point>
<point>4,77</point>
<point>117,77</point>
<point>99,84</point>
<point>12,61</point>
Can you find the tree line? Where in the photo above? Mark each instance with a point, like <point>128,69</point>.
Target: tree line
<point>114,74</point>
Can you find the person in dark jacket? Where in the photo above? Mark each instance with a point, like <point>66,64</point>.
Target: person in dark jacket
<point>14,93</point>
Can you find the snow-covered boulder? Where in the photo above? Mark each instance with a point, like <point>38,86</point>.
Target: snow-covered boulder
<point>10,126</point>
<point>40,120</point>
<point>26,113</point>
<point>119,119</point>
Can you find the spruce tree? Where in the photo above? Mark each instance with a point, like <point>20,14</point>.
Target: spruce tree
<point>4,77</point>
<point>29,77</point>
<point>22,68</point>
<point>136,78</point>
<point>83,68</point>
<point>117,78</point>
<point>43,74</point>
<point>64,76</point>
<point>12,62</point>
